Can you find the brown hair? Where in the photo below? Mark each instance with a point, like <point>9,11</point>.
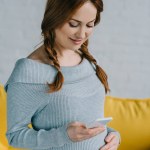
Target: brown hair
<point>57,12</point>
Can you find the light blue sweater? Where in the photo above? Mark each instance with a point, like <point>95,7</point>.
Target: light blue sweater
<point>80,99</point>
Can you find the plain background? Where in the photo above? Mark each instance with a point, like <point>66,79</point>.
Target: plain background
<point>121,42</point>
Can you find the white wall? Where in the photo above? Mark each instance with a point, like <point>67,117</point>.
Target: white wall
<point>121,41</point>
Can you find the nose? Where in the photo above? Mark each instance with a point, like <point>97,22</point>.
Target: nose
<point>81,33</point>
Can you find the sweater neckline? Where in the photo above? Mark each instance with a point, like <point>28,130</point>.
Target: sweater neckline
<point>63,68</point>
<point>31,71</point>
<point>40,63</point>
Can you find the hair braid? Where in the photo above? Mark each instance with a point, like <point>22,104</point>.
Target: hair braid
<point>99,71</point>
<point>52,55</point>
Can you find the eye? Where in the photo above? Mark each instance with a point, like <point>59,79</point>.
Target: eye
<point>90,26</point>
<point>71,24</point>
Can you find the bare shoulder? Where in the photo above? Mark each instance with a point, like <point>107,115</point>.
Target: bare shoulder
<point>32,56</point>
<point>39,55</point>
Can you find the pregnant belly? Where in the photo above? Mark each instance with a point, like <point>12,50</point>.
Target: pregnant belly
<point>94,143</point>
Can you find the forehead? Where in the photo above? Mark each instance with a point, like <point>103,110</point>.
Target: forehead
<point>86,12</point>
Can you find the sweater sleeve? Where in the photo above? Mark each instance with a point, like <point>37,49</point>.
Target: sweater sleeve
<point>23,101</point>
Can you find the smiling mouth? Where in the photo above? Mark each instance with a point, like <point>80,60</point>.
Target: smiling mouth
<point>76,41</point>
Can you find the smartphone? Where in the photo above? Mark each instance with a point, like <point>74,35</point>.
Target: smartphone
<point>98,122</point>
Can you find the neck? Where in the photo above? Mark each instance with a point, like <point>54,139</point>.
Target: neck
<point>67,57</point>
<point>62,53</point>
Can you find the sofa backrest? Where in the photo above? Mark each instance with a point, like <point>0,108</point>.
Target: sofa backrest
<point>131,117</point>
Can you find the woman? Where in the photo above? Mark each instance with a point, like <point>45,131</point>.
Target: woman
<point>60,88</point>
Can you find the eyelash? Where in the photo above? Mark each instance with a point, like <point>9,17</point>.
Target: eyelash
<point>77,26</point>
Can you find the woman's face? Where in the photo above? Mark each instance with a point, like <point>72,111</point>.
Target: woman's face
<point>77,30</point>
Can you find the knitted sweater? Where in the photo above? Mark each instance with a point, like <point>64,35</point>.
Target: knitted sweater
<point>80,99</point>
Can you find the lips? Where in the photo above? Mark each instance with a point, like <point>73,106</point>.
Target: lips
<point>76,41</point>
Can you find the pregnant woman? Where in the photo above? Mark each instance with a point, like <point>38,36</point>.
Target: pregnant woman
<point>60,88</point>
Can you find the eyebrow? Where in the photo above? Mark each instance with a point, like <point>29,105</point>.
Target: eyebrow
<point>80,21</point>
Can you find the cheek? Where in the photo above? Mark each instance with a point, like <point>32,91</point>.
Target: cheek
<point>61,35</point>
<point>90,31</point>
<point>70,32</point>
<point>88,34</point>
<point>66,30</point>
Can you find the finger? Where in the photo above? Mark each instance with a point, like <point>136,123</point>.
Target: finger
<point>90,134</point>
<point>85,131</point>
<point>93,131</point>
<point>109,137</point>
<point>100,125</point>
<point>90,130</point>
<point>108,145</point>
<point>78,124</point>
<point>87,135</point>
<point>114,147</point>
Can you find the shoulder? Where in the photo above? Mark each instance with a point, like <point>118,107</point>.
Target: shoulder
<point>30,71</point>
<point>40,55</point>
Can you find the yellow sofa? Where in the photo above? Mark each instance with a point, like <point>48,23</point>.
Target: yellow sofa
<point>131,117</point>
<point>3,141</point>
<point>3,122</point>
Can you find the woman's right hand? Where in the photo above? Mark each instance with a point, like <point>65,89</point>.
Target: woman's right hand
<point>78,131</point>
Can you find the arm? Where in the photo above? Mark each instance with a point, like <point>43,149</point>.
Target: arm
<point>23,101</point>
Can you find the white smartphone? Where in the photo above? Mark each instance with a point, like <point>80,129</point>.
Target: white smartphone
<point>98,122</point>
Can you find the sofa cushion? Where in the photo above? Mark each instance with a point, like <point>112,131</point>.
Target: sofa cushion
<point>3,122</point>
<point>3,141</point>
<point>131,117</point>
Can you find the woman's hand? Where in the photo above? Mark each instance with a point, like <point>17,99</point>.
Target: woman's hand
<point>112,140</point>
<point>77,131</point>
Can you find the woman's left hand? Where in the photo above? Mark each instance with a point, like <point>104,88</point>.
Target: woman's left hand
<point>112,140</point>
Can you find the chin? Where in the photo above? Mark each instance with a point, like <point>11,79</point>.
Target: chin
<point>74,48</point>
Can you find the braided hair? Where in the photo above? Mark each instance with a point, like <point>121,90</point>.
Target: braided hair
<point>56,14</point>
